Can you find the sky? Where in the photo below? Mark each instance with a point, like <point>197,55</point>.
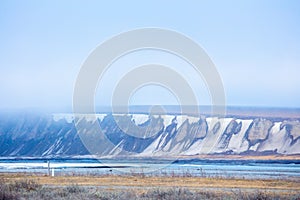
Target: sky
<point>255,46</point>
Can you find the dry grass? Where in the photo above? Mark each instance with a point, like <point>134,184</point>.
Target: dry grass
<point>154,181</point>
<point>33,186</point>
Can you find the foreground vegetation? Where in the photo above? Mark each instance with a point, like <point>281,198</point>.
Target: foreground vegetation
<point>22,186</point>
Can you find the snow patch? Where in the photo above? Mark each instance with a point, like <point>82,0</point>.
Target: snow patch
<point>63,116</point>
<point>167,119</point>
<point>140,118</point>
<point>237,142</point>
<point>70,117</point>
<point>151,148</point>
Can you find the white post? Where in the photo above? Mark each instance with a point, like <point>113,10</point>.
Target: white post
<point>52,170</point>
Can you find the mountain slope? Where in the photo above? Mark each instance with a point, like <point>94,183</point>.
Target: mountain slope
<point>142,135</point>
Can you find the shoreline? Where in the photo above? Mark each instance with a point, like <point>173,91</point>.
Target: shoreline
<point>245,157</point>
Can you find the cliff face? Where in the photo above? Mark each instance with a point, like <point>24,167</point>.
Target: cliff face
<point>143,135</point>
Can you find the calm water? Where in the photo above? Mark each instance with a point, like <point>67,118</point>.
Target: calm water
<point>289,169</point>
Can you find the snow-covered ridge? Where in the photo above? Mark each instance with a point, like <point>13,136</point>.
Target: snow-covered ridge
<point>212,134</point>
<point>166,135</point>
<point>138,119</point>
<point>69,117</point>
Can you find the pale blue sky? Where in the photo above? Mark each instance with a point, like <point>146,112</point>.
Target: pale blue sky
<point>255,45</point>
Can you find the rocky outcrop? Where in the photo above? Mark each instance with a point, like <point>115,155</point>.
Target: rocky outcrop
<point>258,131</point>
<point>143,135</point>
